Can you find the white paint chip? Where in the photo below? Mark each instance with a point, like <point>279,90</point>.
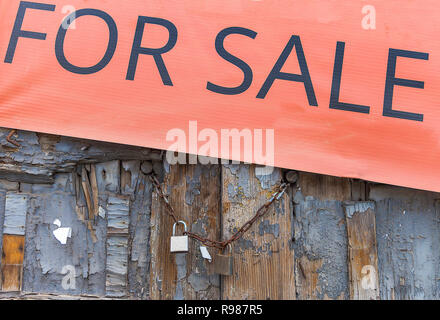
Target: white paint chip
<point>101,212</point>
<point>57,222</point>
<point>205,253</point>
<point>61,234</point>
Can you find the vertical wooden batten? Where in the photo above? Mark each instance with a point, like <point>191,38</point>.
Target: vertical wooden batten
<point>408,237</point>
<point>13,242</point>
<point>362,250</point>
<point>118,215</point>
<point>136,185</point>
<point>194,193</point>
<point>320,237</point>
<point>263,258</point>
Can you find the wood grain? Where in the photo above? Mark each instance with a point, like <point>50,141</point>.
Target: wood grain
<point>94,190</point>
<point>320,240</point>
<point>118,213</point>
<point>42,155</point>
<point>307,278</point>
<point>263,258</point>
<point>324,187</point>
<point>362,250</point>
<point>12,262</point>
<point>408,237</point>
<point>194,192</point>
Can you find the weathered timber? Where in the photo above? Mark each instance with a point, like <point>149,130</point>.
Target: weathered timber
<point>359,190</point>
<point>87,189</point>
<point>408,237</point>
<point>12,262</point>
<point>14,225</point>
<point>130,171</point>
<point>109,175</point>
<point>40,155</point>
<point>263,266</point>
<point>322,187</point>
<point>138,186</point>
<point>320,237</point>
<point>362,250</point>
<point>2,215</point>
<point>116,266</point>
<point>94,190</point>
<point>118,212</point>
<point>15,214</point>
<point>49,296</point>
<point>194,192</point>
<point>47,261</point>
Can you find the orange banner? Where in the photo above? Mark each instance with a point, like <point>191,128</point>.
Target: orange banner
<point>345,88</point>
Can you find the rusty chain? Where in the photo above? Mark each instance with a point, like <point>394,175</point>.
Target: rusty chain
<point>10,139</point>
<point>237,235</point>
<point>164,197</point>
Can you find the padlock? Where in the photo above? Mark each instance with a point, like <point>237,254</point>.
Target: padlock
<point>223,263</point>
<point>179,243</point>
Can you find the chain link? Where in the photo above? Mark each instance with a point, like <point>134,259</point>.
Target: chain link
<point>237,235</point>
<point>164,197</point>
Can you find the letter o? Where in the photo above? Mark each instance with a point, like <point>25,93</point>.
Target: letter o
<point>59,43</point>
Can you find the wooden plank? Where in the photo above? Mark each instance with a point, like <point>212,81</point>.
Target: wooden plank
<point>116,266</point>
<point>263,258</point>
<point>118,211</point>
<point>307,275</point>
<point>118,215</point>
<point>11,277</point>
<point>49,296</point>
<point>87,189</point>
<point>48,262</point>
<point>130,171</point>
<point>2,217</point>
<point>15,213</point>
<point>358,190</point>
<point>42,155</point>
<point>408,237</point>
<point>140,212</point>
<point>108,176</point>
<point>14,227</point>
<point>194,192</point>
<point>94,190</point>
<point>12,262</point>
<point>320,243</point>
<point>362,250</point>
<point>137,186</point>
<point>13,249</point>
<point>322,187</point>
